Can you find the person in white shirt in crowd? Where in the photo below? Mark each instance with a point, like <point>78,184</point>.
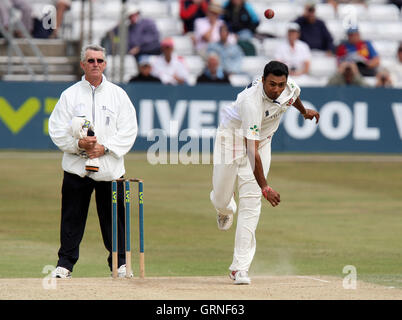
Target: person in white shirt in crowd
<point>206,30</point>
<point>169,67</point>
<point>108,109</point>
<point>242,155</point>
<point>293,52</point>
<point>396,67</point>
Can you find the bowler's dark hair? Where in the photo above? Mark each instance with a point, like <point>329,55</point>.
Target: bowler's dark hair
<point>276,68</point>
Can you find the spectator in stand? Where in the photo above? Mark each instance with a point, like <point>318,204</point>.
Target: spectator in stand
<point>230,54</point>
<point>347,75</point>
<point>142,37</point>
<point>359,51</point>
<point>168,66</point>
<point>145,68</point>
<point>294,53</point>
<point>26,14</point>
<point>206,30</point>
<point>191,10</point>
<point>40,29</point>
<point>241,18</point>
<point>313,30</point>
<point>396,67</point>
<point>398,3</point>
<point>384,79</point>
<point>335,3</point>
<point>61,7</point>
<point>213,72</point>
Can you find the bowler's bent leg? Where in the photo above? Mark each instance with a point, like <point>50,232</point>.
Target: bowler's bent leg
<point>223,177</point>
<point>223,183</point>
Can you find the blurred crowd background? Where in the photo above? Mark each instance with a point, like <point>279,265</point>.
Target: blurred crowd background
<point>324,43</point>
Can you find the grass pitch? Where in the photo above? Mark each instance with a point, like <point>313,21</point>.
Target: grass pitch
<point>332,214</point>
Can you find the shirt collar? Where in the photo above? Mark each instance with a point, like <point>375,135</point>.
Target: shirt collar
<point>100,85</point>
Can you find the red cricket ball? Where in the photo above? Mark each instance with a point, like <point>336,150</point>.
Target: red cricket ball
<point>269,13</point>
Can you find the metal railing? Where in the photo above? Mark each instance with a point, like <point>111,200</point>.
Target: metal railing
<point>15,24</point>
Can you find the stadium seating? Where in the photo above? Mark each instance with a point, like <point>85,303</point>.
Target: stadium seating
<point>379,22</point>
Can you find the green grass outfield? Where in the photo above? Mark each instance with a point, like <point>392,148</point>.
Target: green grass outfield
<point>333,213</point>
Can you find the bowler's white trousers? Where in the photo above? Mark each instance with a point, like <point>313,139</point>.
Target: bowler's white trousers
<point>224,182</point>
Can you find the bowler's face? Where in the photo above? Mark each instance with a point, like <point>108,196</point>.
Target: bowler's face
<point>274,85</point>
<point>94,64</point>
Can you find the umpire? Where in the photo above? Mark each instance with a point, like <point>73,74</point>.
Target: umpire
<point>109,110</point>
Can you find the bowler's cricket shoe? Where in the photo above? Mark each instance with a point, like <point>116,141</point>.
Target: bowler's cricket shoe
<point>224,221</point>
<point>240,277</point>
<point>121,272</point>
<point>61,272</point>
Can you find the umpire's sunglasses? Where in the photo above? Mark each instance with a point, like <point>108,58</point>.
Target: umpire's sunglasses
<point>97,60</point>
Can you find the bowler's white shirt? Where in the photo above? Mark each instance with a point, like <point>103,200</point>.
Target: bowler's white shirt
<point>255,116</point>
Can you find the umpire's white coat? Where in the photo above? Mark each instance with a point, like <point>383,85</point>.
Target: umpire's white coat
<point>109,108</point>
<point>254,116</point>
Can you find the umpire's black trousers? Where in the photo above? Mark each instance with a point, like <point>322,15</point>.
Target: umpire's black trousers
<point>76,196</point>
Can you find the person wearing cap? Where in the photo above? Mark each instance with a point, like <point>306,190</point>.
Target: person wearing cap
<point>145,68</point>
<point>295,53</point>
<point>313,30</point>
<point>169,67</point>
<point>347,75</point>
<point>206,30</point>
<point>359,51</point>
<point>191,10</point>
<point>142,34</point>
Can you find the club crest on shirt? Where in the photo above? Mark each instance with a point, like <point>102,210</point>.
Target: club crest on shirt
<point>254,130</point>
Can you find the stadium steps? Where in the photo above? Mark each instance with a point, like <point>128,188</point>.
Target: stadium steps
<point>61,56</point>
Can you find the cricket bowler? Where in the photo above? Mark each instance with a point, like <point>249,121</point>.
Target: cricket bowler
<point>242,153</point>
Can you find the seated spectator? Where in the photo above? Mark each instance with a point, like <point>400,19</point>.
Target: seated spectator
<point>40,30</point>
<point>396,67</point>
<point>144,68</point>
<point>213,72</point>
<point>359,51</point>
<point>241,18</point>
<point>230,53</point>
<point>191,10</point>
<point>26,14</point>
<point>384,79</point>
<point>143,35</point>
<point>294,53</point>
<point>313,30</point>
<point>61,7</point>
<point>347,75</point>
<point>168,66</point>
<point>398,3</point>
<point>206,30</point>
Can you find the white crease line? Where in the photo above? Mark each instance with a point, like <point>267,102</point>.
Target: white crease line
<point>311,278</point>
